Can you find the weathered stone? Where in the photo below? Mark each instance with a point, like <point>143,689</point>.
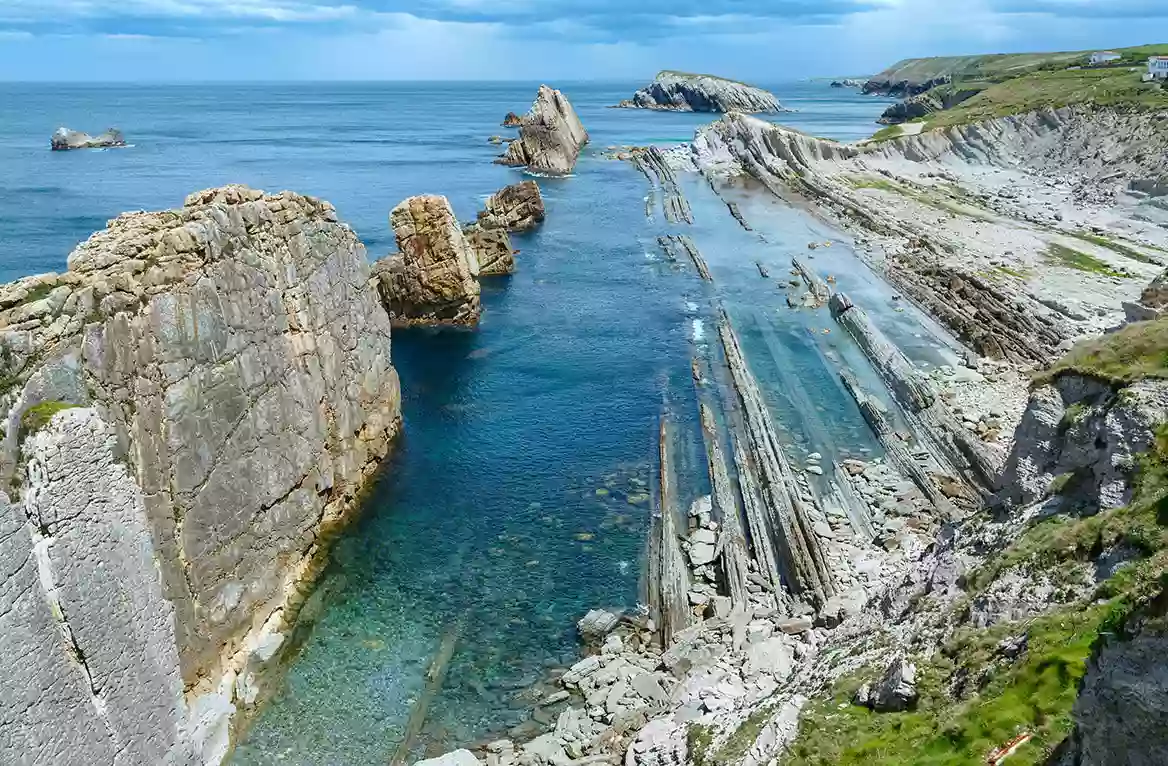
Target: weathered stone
<point>897,689</point>
<point>597,624</point>
<point>492,249</point>
<point>550,136</point>
<point>681,92</point>
<point>65,139</point>
<point>455,758</point>
<point>518,207</point>
<point>434,279</point>
<point>226,413</point>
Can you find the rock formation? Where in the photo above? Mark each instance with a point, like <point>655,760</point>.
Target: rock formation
<point>550,136</point>
<point>847,83</point>
<point>434,277</point>
<point>518,207</point>
<point>65,139</point>
<point>512,120</point>
<point>924,104</point>
<point>680,92</point>
<point>492,249</point>
<point>189,412</point>
<point>894,84</point>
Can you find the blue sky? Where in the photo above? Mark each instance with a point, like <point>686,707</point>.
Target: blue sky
<point>762,40</point>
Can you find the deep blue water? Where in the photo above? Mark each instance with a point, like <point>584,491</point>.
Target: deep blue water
<point>516,499</point>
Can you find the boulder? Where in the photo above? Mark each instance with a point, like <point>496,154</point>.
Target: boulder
<point>492,249</point>
<point>191,410</point>
<point>512,120</point>
<point>456,758</point>
<point>681,92</point>
<point>897,690</point>
<point>550,136</point>
<point>434,278</point>
<point>65,139</point>
<point>514,208</point>
<point>597,624</point>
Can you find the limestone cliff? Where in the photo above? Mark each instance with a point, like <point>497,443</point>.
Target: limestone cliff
<point>189,411</point>
<point>434,277</point>
<point>550,136</point>
<point>681,92</point>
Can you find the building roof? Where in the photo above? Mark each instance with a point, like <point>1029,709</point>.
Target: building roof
<point>1105,53</point>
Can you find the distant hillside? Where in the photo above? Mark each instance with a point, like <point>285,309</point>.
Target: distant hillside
<point>911,76</point>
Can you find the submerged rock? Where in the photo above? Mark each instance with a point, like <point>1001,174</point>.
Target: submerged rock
<point>65,139</point>
<point>492,249</point>
<point>191,409</point>
<point>681,92</point>
<point>518,207</point>
<point>434,277</point>
<point>550,136</point>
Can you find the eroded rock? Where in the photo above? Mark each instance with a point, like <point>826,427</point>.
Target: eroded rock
<point>518,207</point>
<point>65,139</point>
<point>550,136</point>
<point>682,92</point>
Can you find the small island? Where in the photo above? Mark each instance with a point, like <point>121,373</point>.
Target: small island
<point>683,92</point>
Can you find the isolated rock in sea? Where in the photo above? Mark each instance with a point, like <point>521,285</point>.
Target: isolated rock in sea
<point>492,249</point>
<point>191,409</point>
<point>550,136</point>
<point>518,207</point>
<point>847,83</point>
<point>681,92</point>
<point>65,139</point>
<point>512,120</point>
<point>434,277</point>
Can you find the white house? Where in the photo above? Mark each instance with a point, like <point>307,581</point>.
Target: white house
<point>1158,67</point>
<point>1102,57</point>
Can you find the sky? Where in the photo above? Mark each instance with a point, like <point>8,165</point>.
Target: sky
<point>759,40</point>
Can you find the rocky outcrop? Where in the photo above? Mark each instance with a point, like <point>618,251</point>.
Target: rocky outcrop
<point>847,83</point>
<point>1153,302</point>
<point>512,120</point>
<point>190,411</point>
<point>681,92</point>
<point>893,84</point>
<point>550,136</point>
<point>924,104</point>
<point>65,139</point>
<point>492,249</point>
<point>514,208</point>
<point>434,277</point>
<point>1080,438</point>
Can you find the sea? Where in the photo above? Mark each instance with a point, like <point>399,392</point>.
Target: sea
<point>518,497</point>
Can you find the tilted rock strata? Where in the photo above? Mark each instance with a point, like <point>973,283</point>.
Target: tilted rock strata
<point>514,208</point>
<point>434,277</point>
<point>231,373</point>
<point>924,104</point>
<point>550,136</point>
<point>677,92</point>
<point>492,249</point>
<point>65,139</point>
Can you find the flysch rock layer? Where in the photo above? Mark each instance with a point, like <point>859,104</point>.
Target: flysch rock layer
<point>433,280</point>
<point>190,412</point>
<point>550,136</point>
<point>680,92</point>
<point>514,208</point>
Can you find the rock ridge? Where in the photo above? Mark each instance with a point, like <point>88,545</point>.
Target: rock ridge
<point>680,92</point>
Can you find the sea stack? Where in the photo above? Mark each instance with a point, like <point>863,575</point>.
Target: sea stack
<point>191,409</point>
<point>681,92</point>
<point>65,139</point>
<point>518,207</point>
<point>550,136</point>
<point>492,248</point>
<point>433,280</point>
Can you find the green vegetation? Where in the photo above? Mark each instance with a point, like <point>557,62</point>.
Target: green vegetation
<point>891,131</point>
<point>1139,350</point>
<point>930,196</point>
<point>38,416</point>
<point>699,739</point>
<point>1010,271</point>
<point>974,698</point>
<point>1111,244</point>
<point>39,292</point>
<point>1074,259</point>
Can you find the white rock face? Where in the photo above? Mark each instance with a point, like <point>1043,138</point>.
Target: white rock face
<point>681,92</point>
<point>228,368</point>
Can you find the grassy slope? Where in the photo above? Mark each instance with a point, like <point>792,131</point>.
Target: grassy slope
<point>998,66</point>
<point>1034,693</point>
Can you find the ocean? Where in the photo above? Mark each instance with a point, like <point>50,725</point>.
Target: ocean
<point>518,496</point>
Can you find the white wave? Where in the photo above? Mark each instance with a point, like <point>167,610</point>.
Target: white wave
<point>691,306</point>
<point>699,330</point>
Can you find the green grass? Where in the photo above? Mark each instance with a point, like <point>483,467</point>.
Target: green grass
<point>699,740</point>
<point>971,699</point>
<point>1111,244</point>
<point>38,416</point>
<point>1054,89</point>
<point>1010,271</point>
<point>891,131</point>
<point>1074,259</point>
<point>925,196</point>
<point>1139,350</point>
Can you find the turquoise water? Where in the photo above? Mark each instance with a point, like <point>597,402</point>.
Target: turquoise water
<point>517,498</point>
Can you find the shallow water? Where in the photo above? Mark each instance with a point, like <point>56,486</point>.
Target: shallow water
<point>518,497</point>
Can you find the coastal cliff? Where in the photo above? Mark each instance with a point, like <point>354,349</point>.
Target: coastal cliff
<point>682,92</point>
<point>550,136</point>
<point>190,411</point>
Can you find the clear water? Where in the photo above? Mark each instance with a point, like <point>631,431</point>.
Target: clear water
<point>516,499</point>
